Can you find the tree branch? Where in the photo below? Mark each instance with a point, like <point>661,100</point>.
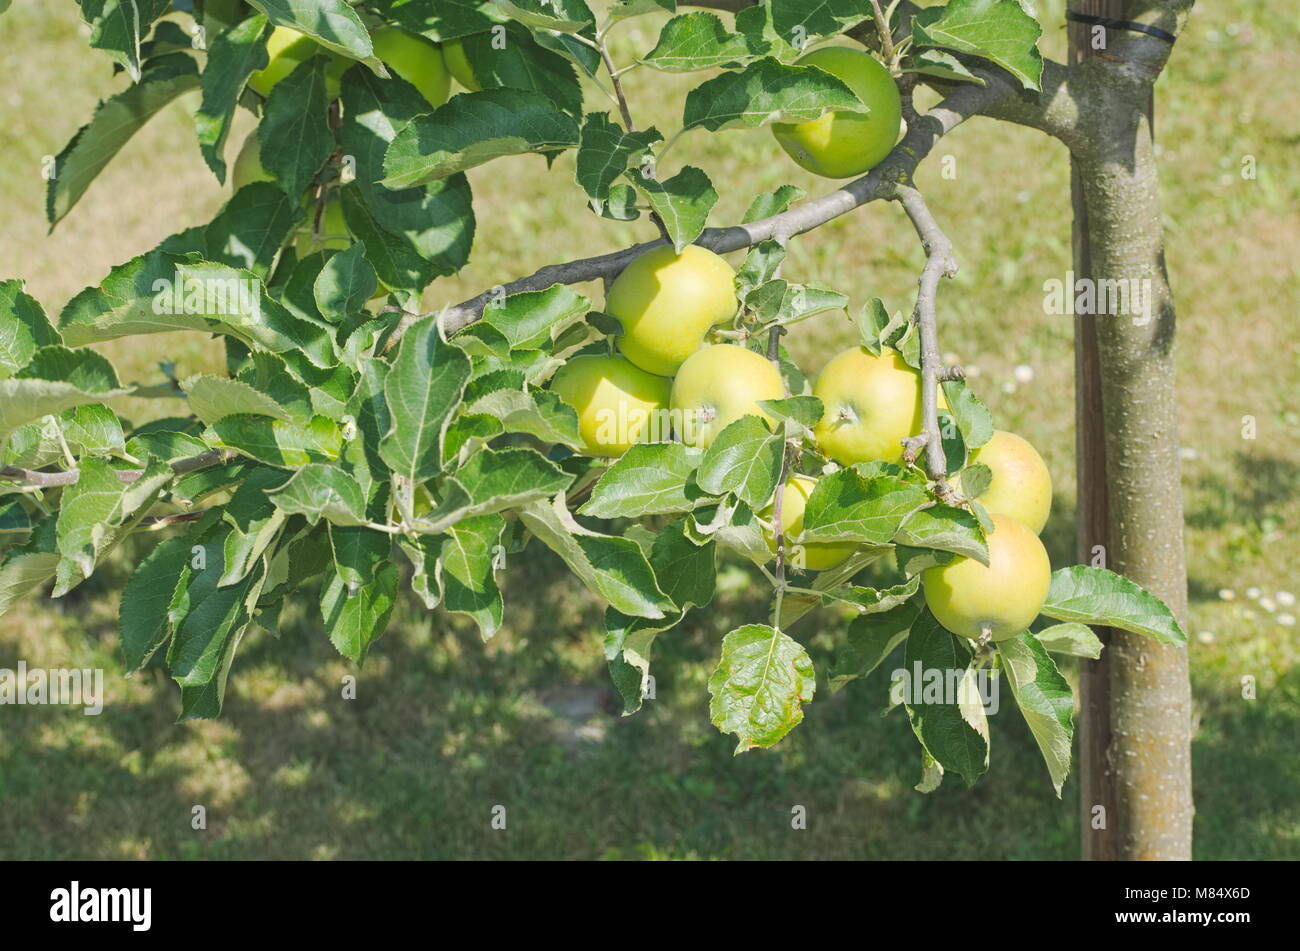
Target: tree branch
<point>880,182</point>
<point>51,480</point>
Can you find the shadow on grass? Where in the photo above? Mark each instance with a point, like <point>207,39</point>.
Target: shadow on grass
<point>445,730</point>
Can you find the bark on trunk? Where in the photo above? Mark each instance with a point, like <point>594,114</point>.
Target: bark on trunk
<point>1135,724</point>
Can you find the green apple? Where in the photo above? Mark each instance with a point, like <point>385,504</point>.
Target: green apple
<point>843,144</point>
<point>717,385</point>
<point>416,59</point>
<point>618,403</point>
<point>667,301</point>
<point>1000,599</point>
<point>286,48</point>
<point>872,403</point>
<point>813,556</point>
<point>333,230</point>
<point>1021,486</point>
<point>248,167</point>
<point>453,53</point>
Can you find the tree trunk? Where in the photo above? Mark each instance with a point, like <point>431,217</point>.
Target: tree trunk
<point>1135,724</point>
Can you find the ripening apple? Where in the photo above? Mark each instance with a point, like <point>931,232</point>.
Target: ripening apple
<point>286,48</point>
<point>248,167</point>
<point>717,385</point>
<point>1021,486</point>
<point>843,144</point>
<point>453,54</point>
<point>1000,599</point>
<point>872,403</point>
<point>814,556</point>
<point>666,303</point>
<point>416,59</point>
<point>618,403</point>
<point>333,230</point>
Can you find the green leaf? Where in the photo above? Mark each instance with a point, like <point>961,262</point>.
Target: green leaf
<point>444,20</point>
<point>466,571</point>
<point>345,283</point>
<point>22,572</point>
<point>613,568</point>
<point>249,231</point>
<point>516,60</point>
<point>255,525</point>
<point>22,401</point>
<point>1076,640</point>
<point>997,30</point>
<point>118,26</point>
<point>764,92</point>
<point>943,727</point>
<point>535,318</point>
<point>972,417</point>
<point>422,389</point>
<point>745,458</point>
<point>24,328</point>
<point>492,480</point>
<point>287,445</point>
<point>870,639</point>
<point>97,511</point>
<point>1097,596</point>
<point>563,16</point>
<point>845,506</point>
<point>682,202</point>
<point>474,128</point>
<point>649,479</point>
<point>359,593</point>
<point>943,65</point>
<point>773,203</point>
<point>760,685</point>
<point>84,369</point>
<point>945,528</point>
<point>232,57</point>
<point>817,18</point>
<point>294,133</point>
<point>214,397</point>
<point>116,119</point>
<point>695,41</point>
<point>1044,698</point>
<point>331,23</point>
<point>606,151</point>
<point>322,491</point>
<point>414,235</point>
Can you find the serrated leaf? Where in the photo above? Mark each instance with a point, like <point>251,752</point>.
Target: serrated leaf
<point>24,328</point>
<point>212,397</point>
<point>1097,596</point>
<point>682,202</point>
<point>563,16</point>
<point>817,18</point>
<point>233,56</point>
<point>118,27</point>
<point>649,479</point>
<point>474,128</point>
<point>942,65</point>
<point>116,119</point>
<point>745,458</point>
<point>331,23</point>
<point>845,506</point>
<point>942,727</point>
<point>870,639</point>
<point>294,133</point>
<point>947,529</point>
<point>534,318</point>
<point>322,491</point>
<point>345,283</point>
<point>422,389</point>
<point>764,92</point>
<point>1076,640</point>
<point>606,151</point>
<point>1044,698</point>
<point>696,41</point>
<point>492,480</point>
<point>996,30</point>
<point>773,203</point>
<point>22,401</point>
<point>972,417</point>
<point>466,571</point>
<point>760,685</point>
<point>613,568</point>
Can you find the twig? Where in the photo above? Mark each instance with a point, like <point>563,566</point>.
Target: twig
<point>49,480</point>
<point>886,40</point>
<point>879,183</point>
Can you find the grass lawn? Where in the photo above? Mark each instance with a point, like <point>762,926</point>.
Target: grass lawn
<point>445,728</point>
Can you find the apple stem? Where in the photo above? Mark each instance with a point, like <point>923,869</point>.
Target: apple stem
<point>886,38</point>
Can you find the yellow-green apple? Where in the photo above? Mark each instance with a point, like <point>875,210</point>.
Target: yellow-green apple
<point>618,403</point>
<point>667,301</point>
<point>248,167</point>
<point>842,144</point>
<point>1021,486</point>
<point>286,48</point>
<point>416,59</point>
<point>872,403</point>
<point>453,53</point>
<point>717,385</point>
<point>1001,598</point>
<point>814,556</point>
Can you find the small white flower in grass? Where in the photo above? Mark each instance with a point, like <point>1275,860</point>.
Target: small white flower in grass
<point>1008,386</point>
<point>1268,604</point>
<point>1286,620</point>
<point>1205,637</point>
<point>1187,452</point>
<point>1023,373</point>
<point>1285,598</point>
<point>1249,615</point>
<point>1253,593</point>
<point>973,370</point>
<point>1227,594</point>
<point>1022,196</point>
<point>951,359</point>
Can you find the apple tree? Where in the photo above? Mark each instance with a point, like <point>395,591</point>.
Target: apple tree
<point>363,446</point>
